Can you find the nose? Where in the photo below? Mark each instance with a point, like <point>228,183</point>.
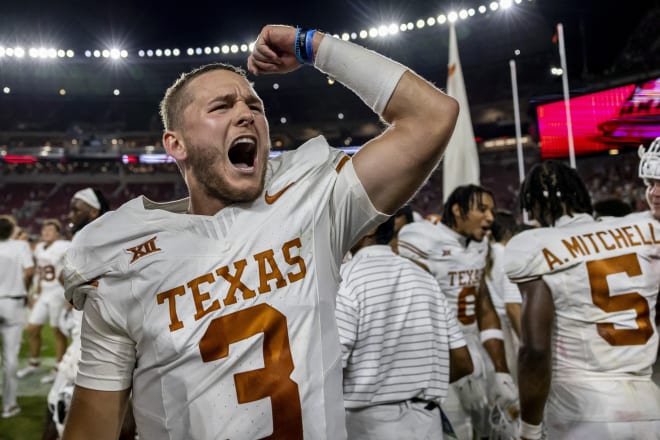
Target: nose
<point>244,115</point>
<point>655,189</point>
<point>489,216</point>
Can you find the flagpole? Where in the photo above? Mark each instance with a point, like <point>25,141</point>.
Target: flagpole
<point>516,117</point>
<point>564,80</point>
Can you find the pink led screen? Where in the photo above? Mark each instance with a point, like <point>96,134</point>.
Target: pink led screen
<point>614,118</point>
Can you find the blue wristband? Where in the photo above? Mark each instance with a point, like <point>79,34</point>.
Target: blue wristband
<point>309,47</point>
<point>296,46</point>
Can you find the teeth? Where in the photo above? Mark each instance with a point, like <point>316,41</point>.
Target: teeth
<point>244,140</point>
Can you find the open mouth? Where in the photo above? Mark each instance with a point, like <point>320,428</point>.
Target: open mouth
<point>243,152</point>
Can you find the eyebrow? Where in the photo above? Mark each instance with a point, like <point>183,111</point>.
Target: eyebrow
<point>250,99</point>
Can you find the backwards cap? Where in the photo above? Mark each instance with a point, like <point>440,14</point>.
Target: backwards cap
<point>88,196</point>
<point>649,164</point>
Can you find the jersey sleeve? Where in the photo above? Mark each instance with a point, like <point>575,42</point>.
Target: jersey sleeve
<point>416,242</point>
<point>454,332</point>
<point>351,210</point>
<point>523,256</point>
<point>26,256</point>
<point>107,357</point>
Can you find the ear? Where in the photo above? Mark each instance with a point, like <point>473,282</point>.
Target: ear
<point>456,211</point>
<point>174,146</point>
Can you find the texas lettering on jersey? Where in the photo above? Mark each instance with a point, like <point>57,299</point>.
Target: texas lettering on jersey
<point>582,245</point>
<point>263,262</point>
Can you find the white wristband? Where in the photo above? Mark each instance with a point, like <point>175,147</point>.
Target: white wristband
<point>491,333</point>
<point>368,74</point>
<point>531,432</point>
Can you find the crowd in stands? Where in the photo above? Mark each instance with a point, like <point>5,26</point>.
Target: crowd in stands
<point>606,177</point>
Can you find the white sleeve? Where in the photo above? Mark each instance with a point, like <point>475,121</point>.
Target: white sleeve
<point>352,212</point>
<point>107,356</point>
<point>347,323</point>
<point>26,256</point>
<point>511,292</point>
<point>454,332</point>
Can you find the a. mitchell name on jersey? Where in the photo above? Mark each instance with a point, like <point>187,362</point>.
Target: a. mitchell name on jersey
<point>589,243</point>
<point>232,275</point>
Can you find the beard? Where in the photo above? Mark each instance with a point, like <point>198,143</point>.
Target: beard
<point>202,162</point>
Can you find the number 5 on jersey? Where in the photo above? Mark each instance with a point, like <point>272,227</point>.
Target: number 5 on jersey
<point>600,294</point>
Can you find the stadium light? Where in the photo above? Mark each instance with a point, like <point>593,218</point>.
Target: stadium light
<point>62,92</point>
<point>557,71</point>
<point>373,32</point>
<point>6,90</point>
<point>116,92</point>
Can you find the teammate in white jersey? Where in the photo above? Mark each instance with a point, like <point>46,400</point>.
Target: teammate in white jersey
<point>590,293</point>
<point>218,310</point>
<point>16,271</point>
<point>85,206</point>
<point>499,285</point>
<point>50,303</point>
<point>455,251</point>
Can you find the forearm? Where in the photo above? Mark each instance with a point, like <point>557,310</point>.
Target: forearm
<point>460,363</point>
<point>534,377</point>
<point>513,312</point>
<point>95,414</point>
<point>491,334</point>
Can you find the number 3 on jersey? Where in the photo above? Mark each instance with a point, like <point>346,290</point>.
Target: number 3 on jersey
<point>271,381</point>
<point>600,294</point>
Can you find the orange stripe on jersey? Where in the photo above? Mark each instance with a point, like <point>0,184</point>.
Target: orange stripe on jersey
<point>413,249</point>
<point>341,163</point>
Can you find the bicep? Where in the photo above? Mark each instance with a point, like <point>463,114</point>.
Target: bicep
<point>95,414</point>
<point>537,315</point>
<point>392,166</point>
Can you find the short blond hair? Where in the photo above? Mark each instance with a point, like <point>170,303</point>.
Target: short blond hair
<point>176,99</point>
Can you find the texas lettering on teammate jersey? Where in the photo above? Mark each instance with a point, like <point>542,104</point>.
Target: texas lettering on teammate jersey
<point>604,278</point>
<point>228,329</point>
<point>456,263</point>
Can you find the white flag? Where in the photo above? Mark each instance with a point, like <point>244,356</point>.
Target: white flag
<point>460,165</point>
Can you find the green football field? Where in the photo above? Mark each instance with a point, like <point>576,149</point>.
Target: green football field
<point>28,425</point>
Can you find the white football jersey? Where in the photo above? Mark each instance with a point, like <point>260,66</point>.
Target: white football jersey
<point>50,261</point>
<point>456,263</point>
<point>15,257</point>
<point>604,277</point>
<point>224,325</point>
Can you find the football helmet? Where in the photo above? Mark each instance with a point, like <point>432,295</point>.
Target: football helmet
<point>649,164</point>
